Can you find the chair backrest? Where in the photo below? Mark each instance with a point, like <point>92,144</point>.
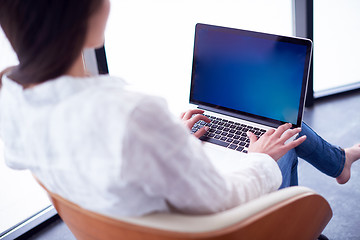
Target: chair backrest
<point>293,213</point>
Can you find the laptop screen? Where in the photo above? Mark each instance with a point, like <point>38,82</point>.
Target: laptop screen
<point>254,74</point>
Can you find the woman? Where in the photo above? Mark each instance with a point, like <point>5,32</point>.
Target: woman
<point>115,151</point>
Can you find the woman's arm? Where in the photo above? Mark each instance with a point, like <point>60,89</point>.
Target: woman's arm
<point>162,157</point>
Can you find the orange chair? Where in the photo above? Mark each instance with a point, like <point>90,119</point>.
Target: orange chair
<point>291,213</point>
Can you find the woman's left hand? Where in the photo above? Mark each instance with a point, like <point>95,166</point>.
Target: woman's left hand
<point>189,120</point>
<point>273,141</point>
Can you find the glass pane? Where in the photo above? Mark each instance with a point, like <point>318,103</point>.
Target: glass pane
<point>336,43</point>
<point>150,43</point>
<point>21,196</point>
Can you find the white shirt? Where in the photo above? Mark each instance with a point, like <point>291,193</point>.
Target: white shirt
<point>118,152</point>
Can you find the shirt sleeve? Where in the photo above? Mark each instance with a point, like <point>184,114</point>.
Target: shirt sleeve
<point>168,162</point>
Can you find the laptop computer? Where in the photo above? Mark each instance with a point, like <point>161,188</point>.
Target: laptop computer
<point>247,81</point>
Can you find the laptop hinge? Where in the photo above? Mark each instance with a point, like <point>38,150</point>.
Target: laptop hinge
<point>241,116</point>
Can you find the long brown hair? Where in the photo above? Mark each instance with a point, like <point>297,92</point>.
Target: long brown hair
<point>47,35</point>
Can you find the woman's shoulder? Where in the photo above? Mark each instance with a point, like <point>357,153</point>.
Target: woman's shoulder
<point>105,96</point>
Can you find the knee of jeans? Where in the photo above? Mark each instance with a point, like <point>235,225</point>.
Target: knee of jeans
<point>310,144</point>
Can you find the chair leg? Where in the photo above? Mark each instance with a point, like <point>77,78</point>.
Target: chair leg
<point>322,237</point>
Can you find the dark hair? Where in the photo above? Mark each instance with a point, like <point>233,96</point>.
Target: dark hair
<point>47,35</point>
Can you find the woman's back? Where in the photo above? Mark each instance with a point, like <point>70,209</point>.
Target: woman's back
<point>70,133</point>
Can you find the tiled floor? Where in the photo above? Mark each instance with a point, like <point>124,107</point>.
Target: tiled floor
<point>336,119</point>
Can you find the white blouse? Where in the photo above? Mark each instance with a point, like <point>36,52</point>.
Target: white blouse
<point>119,152</point>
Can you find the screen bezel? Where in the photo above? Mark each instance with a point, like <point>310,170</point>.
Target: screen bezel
<point>245,115</point>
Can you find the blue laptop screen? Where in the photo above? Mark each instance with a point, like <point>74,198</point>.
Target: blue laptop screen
<point>252,73</point>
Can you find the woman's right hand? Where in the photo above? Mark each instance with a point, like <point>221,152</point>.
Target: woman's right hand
<point>273,141</point>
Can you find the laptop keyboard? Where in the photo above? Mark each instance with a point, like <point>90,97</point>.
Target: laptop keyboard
<point>227,133</point>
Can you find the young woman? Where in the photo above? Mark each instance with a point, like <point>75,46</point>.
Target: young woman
<point>115,151</point>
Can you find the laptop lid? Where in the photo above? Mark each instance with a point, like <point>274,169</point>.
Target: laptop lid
<point>250,75</point>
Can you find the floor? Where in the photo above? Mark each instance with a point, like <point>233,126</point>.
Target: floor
<point>337,120</point>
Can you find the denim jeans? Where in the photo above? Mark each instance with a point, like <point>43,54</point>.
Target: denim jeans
<point>327,158</point>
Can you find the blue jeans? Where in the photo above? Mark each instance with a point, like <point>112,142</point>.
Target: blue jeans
<point>327,158</point>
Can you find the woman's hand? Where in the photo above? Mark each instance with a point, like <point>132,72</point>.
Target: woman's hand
<point>189,120</point>
<point>273,141</point>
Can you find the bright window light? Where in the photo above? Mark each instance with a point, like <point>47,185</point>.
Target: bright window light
<point>150,43</point>
<point>336,43</point>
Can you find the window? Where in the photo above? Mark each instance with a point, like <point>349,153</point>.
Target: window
<point>336,44</point>
<point>150,43</point>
